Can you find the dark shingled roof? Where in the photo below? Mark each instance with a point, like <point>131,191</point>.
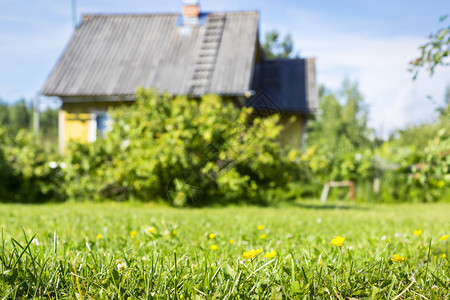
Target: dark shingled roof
<point>112,55</point>
<point>290,84</point>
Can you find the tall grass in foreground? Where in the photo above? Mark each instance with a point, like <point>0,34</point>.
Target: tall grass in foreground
<point>120,251</point>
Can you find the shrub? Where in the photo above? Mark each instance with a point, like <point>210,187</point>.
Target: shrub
<point>26,172</point>
<point>184,151</point>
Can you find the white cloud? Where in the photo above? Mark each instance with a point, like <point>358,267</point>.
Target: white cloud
<point>378,63</point>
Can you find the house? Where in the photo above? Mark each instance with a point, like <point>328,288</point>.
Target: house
<point>191,52</point>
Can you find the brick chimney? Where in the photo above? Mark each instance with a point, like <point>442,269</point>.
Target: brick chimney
<point>191,11</point>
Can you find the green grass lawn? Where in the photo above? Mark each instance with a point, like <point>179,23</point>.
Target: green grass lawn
<point>142,251</point>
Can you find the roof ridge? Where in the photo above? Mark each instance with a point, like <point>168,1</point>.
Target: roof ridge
<point>165,14</point>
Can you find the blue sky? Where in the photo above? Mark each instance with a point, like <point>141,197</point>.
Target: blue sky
<point>368,41</point>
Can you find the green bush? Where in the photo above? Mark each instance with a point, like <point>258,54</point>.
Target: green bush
<point>406,174</point>
<point>423,174</point>
<point>184,151</point>
<point>27,174</point>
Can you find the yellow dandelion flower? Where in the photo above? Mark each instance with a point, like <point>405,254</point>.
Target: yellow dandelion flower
<point>262,236</point>
<point>417,232</point>
<point>133,233</point>
<point>214,247</point>
<point>151,230</point>
<point>260,227</point>
<point>99,236</point>
<point>174,232</point>
<point>444,237</point>
<point>443,255</point>
<point>270,254</point>
<point>231,241</point>
<point>338,241</point>
<point>250,254</point>
<point>211,235</point>
<point>398,258</point>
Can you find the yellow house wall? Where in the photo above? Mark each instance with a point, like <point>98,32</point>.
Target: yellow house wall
<point>291,134</point>
<point>77,120</point>
<point>76,127</point>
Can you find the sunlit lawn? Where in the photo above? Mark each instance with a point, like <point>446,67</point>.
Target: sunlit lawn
<point>118,250</point>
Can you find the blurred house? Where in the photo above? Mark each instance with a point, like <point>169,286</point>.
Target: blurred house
<point>192,53</point>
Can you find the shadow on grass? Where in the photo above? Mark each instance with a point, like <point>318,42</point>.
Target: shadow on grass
<point>330,206</point>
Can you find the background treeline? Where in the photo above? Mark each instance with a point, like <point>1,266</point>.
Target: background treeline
<point>25,172</point>
<point>19,116</point>
<point>413,164</point>
<point>188,152</point>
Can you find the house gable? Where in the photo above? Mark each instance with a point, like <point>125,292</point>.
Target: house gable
<point>111,55</point>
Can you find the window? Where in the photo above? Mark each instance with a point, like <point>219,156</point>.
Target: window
<point>100,124</point>
<point>103,124</point>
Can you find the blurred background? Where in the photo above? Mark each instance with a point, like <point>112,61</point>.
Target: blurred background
<point>382,112</point>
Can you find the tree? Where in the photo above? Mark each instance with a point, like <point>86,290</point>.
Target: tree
<point>434,52</point>
<point>15,117</point>
<point>339,141</point>
<point>4,114</point>
<point>184,151</point>
<point>275,47</point>
<point>49,129</point>
<point>339,123</point>
<point>18,116</point>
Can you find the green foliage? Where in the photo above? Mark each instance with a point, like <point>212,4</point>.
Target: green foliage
<point>26,173</point>
<point>434,52</point>
<point>339,141</point>
<point>340,125</point>
<point>412,166</point>
<point>19,116</point>
<point>15,117</point>
<point>273,47</point>
<point>48,124</point>
<point>54,252</point>
<point>190,152</point>
<point>422,174</point>
<point>415,136</point>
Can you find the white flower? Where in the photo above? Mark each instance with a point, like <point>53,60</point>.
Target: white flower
<point>435,288</point>
<point>63,165</point>
<point>383,238</point>
<point>144,258</point>
<point>53,164</point>
<point>358,156</point>
<point>121,267</point>
<point>36,242</point>
<point>398,234</point>
<point>125,143</point>
<point>319,220</point>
